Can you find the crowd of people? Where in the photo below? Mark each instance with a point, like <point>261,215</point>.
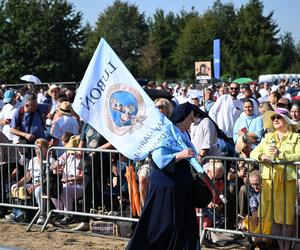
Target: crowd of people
<point>256,120</point>
<point>252,120</point>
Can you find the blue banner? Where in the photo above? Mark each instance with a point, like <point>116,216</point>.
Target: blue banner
<point>217,58</point>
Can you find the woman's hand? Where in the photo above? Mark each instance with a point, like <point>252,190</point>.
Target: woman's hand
<point>265,158</point>
<point>29,137</point>
<point>184,154</point>
<point>31,189</point>
<point>273,150</point>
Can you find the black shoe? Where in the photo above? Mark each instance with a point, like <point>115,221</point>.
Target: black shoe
<point>262,245</point>
<point>3,212</point>
<point>57,217</point>
<point>67,220</point>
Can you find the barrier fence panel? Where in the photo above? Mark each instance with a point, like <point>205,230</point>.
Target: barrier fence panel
<point>262,201</point>
<point>84,183</point>
<point>18,191</point>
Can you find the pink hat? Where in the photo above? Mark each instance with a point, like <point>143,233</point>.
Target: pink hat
<point>285,114</point>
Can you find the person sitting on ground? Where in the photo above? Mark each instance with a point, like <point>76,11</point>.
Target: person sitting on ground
<point>70,164</point>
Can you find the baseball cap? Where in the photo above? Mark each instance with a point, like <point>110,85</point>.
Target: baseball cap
<point>8,95</point>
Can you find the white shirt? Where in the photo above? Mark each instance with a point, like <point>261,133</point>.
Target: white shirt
<point>72,167</point>
<point>204,136</point>
<point>7,114</point>
<point>65,123</point>
<point>225,112</point>
<point>182,99</point>
<point>41,98</point>
<point>263,92</point>
<point>288,96</point>
<point>53,107</point>
<point>34,167</point>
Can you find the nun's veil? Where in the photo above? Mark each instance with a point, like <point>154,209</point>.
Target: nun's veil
<point>182,111</point>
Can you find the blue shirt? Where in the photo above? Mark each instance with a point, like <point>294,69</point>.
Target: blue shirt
<point>31,123</point>
<point>252,123</point>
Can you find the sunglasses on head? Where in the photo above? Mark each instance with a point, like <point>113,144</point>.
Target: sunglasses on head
<point>278,117</point>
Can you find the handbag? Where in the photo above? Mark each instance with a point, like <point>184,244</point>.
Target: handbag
<point>201,194</point>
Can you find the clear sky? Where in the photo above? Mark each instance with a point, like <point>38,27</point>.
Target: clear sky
<point>286,12</point>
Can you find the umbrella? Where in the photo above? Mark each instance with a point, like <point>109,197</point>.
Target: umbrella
<point>31,78</point>
<point>243,80</point>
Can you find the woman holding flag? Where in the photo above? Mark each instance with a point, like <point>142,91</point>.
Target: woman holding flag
<point>168,220</point>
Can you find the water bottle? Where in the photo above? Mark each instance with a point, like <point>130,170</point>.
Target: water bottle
<point>273,144</point>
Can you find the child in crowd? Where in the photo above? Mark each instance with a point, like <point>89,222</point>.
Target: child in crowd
<point>34,172</point>
<point>70,164</point>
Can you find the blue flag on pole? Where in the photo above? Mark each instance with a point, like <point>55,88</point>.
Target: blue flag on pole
<point>112,101</point>
<point>217,58</point>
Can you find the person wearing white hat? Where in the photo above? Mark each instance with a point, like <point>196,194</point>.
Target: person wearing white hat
<point>52,101</point>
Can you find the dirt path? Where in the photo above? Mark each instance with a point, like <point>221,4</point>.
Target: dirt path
<point>15,235</point>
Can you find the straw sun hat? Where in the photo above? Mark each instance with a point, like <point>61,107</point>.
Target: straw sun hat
<point>73,143</point>
<point>65,108</point>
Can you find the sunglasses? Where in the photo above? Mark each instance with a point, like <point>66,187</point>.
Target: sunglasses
<point>234,88</point>
<point>278,117</point>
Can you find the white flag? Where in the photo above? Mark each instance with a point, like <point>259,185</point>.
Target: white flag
<point>112,101</point>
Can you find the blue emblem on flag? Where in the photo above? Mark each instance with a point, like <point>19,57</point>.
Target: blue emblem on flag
<point>123,108</point>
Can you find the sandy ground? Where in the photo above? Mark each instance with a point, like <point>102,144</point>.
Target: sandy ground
<point>15,235</point>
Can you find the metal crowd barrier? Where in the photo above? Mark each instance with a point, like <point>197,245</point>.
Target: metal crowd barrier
<point>230,212</point>
<point>107,201</point>
<point>100,193</point>
<point>14,164</point>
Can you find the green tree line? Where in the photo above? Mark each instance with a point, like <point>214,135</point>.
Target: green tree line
<point>47,38</point>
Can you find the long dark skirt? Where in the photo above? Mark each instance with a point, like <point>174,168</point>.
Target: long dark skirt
<point>168,220</point>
